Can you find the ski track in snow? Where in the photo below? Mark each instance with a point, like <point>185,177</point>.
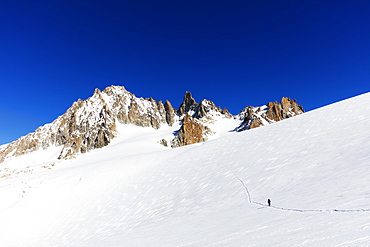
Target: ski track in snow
<point>299,210</point>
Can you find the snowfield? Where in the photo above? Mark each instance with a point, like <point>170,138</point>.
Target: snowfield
<point>314,167</point>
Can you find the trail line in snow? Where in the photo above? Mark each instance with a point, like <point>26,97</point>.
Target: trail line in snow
<point>314,210</point>
<point>241,181</point>
<point>297,209</point>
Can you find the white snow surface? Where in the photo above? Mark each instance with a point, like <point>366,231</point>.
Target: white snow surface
<point>134,192</point>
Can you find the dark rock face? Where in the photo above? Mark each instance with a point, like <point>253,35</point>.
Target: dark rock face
<point>285,109</point>
<point>187,104</point>
<point>201,110</point>
<point>77,134</point>
<point>192,131</point>
<point>250,119</point>
<point>170,113</point>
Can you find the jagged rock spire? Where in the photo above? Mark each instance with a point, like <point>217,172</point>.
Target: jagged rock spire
<point>170,113</point>
<point>189,105</point>
<point>194,119</point>
<point>186,103</point>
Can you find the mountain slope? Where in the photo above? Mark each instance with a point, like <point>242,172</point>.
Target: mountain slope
<point>313,167</point>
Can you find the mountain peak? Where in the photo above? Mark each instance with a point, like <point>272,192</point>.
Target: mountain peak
<point>186,104</point>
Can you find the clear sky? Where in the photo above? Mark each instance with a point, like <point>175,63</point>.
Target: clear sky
<point>235,53</point>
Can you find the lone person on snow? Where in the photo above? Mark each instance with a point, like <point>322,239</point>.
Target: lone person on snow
<point>269,202</point>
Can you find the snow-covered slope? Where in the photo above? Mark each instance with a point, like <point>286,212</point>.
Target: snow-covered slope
<point>133,192</point>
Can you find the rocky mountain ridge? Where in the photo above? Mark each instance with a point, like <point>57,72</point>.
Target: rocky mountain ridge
<point>254,117</point>
<point>91,123</point>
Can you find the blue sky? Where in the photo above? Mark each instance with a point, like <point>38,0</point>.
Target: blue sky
<point>235,53</point>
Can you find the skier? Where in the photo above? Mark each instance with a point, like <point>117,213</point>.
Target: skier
<point>269,202</point>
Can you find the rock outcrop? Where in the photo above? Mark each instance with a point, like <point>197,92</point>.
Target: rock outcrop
<point>170,113</point>
<point>253,117</point>
<point>187,104</point>
<point>192,131</point>
<point>194,120</point>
